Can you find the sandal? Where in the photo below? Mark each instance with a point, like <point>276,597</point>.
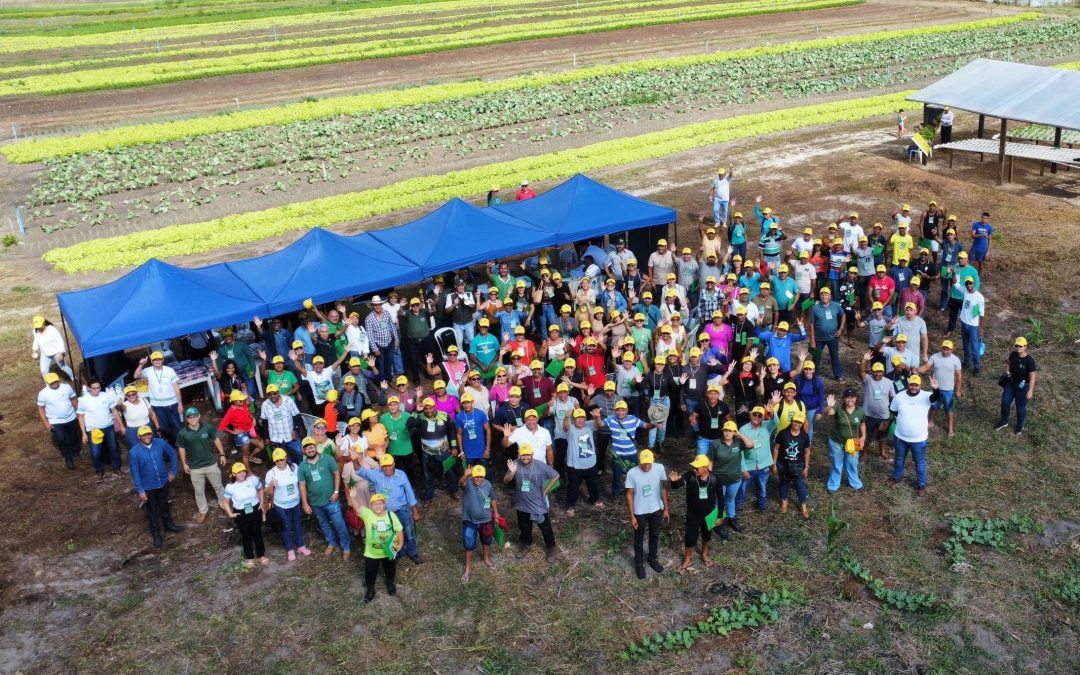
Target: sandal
<point>570,512</point>
<point>251,564</point>
<point>264,560</point>
<point>254,460</point>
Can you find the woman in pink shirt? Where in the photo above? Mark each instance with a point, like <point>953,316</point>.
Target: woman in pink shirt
<point>720,333</point>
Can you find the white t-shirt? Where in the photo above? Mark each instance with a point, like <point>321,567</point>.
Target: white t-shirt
<point>320,383</point>
<point>136,414</point>
<point>802,244</point>
<point>346,444</point>
<point>286,487</point>
<point>49,341</point>
<point>97,410</point>
<point>481,398</point>
<point>804,275</point>
<point>160,383</point>
<point>244,493</point>
<point>911,420</point>
<point>973,307</point>
<point>539,440</point>
<point>852,232</point>
<point>358,340</point>
<point>721,188</point>
<point>57,403</point>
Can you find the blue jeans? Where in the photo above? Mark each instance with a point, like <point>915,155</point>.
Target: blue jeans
<point>465,333</point>
<point>432,466</point>
<point>108,443</point>
<point>131,434</point>
<point>385,362</point>
<point>791,473</point>
<point>719,211</point>
<point>833,345</point>
<point>1011,393</point>
<point>691,407</point>
<point>841,462</point>
<point>409,532</point>
<point>330,522</point>
<point>946,289</point>
<point>702,445</point>
<point>918,452</point>
<point>470,532</point>
<point>970,338</point>
<point>291,530</point>
<point>758,477</point>
<point>547,317</point>
<point>730,492</point>
<point>293,448</point>
<point>399,365</point>
<point>618,477</point>
<point>740,249</point>
<point>168,420</point>
<point>661,432</point>
<point>811,413</point>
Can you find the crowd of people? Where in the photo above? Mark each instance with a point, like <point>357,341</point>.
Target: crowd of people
<point>555,376</point>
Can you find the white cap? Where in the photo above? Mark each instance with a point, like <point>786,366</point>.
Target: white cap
<point>525,181</point>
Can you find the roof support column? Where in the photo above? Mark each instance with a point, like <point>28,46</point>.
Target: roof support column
<point>1002,138</point>
<point>1057,144</point>
<point>982,125</point>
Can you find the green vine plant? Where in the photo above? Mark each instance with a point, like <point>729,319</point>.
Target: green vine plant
<point>992,532</point>
<point>721,621</point>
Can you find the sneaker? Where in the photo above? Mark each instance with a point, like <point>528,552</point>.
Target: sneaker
<point>69,463</point>
<point>101,478</point>
<point>521,552</point>
<point>119,473</point>
<point>1001,426</point>
<point>656,566</point>
<point>1019,431</point>
<point>416,559</point>
<point>641,572</point>
<point>733,523</point>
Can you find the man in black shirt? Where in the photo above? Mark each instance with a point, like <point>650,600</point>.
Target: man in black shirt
<point>512,412</point>
<point>709,418</point>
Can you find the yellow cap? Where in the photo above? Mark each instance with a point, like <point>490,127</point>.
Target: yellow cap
<point>713,387</point>
<point>144,430</point>
<point>901,337</point>
<point>438,384</point>
<point>804,254</point>
<point>854,270</point>
<point>525,448</point>
<point>237,395</point>
<point>386,460</point>
<point>808,230</point>
<point>318,359</point>
<point>519,330</point>
<point>905,207</point>
<point>877,305</point>
<point>556,277</point>
<point>910,305</point>
<point>553,328</point>
<point>514,391</point>
<point>962,254</point>
<point>710,230</point>
<point>368,414</point>
<point>354,420</point>
<point>378,497</point>
<point>428,401</point>
<point>97,436</point>
<point>772,361</point>
<point>1020,342</point>
<point>628,357</point>
<point>646,294</point>
<point>646,457</point>
<point>695,351</point>
<point>520,283</point>
<point>665,329</point>
<point>590,342</point>
<point>308,303</point>
<point>946,344</point>
<point>789,385</point>
<point>531,412</point>
<point>881,268</point>
<point>272,389</point>
<point>393,399</point>
<point>878,367</point>
<point>131,389</point>
<point>39,321</point>
<point>50,378</point>
<point>569,363</point>
<point>319,422</point>
<point>808,364</point>
<point>156,355</point>
<point>331,396</point>
<point>730,426</point>
<point>278,454</point>
<point>562,387</point>
<point>721,171</point>
<point>414,301</point>
<point>298,344</point>
<point>741,310</point>
<point>479,471</point>
<point>484,322</point>
<point>700,462</point>
<point>662,242</point>
<point>832,226</point>
<point>671,276</point>
<point>783,268</point>
<point>686,250</point>
<point>951,218</point>
<point>915,281</point>
<point>579,412</point>
<point>467,398</point>
<point>621,405</point>
<point>308,440</point>
<point>897,359</point>
<point>536,364</point>
<point>766,284</point>
<point>609,386</point>
<point>639,316</point>
<point>766,210</point>
<point>783,325</point>
<point>798,417</point>
<point>914,379</point>
<point>349,379</point>
<point>452,349</point>
<point>238,467</point>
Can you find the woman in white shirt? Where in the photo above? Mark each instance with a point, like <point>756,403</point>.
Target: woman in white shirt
<point>244,503</point>
<point>49,346</point>
<point>99,419</point>
<point>136,412</point>
<point>283,493</point>
<point>357,337</point>
<point>481,395</point>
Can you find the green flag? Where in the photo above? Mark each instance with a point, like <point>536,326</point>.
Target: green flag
<point>713,516</point>
<point>500,536</point>
<point>388,547</point>
<point>551,485</point>
<point>623,464</point>
<point>851,298</point>
<point>975,310</point>
<point>541,409</point>
<point>924,243</point>
<point>555,368</point>
<point>448,464</point>
<point>892,429</point>
<point>878,249</point>
<point>807,304</point>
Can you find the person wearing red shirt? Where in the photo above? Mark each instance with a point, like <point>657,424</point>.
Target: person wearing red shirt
<point>882,289</point>
<point>519,343</point>
<point>591,363</point>
<point>537,388</point>
<point>525,192</point>
<point>239,423</point>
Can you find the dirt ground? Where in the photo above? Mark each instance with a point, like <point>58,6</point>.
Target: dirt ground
<point>79,112</point>
<point>80,591</point>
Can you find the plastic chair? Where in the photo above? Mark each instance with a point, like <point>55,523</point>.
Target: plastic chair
<point>163,347</point>
<point>568,259</point>
<point>444,337</point>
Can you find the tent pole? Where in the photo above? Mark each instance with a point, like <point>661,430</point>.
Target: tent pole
<point>67,341</point>
<point>1057,144</point>
<point>1001,150</point>
<point>982,125</point>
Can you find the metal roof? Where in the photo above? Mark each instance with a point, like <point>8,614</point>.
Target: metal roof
<point>1014,91</point>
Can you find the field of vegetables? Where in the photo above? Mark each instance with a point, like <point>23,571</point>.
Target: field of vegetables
<point>385,141</point>
<point>378,43</point>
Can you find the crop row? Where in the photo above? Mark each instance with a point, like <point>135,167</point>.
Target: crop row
<point>218,31</point>
<point>142,134</point>
<point>602,101</point>
<point>133,249</point>
<point>174,71</point>
<point>325,33</point>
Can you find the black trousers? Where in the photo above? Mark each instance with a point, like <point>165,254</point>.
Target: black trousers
<point>650,522</point>
<point>157,509</point>
<point>525,526</point>
<point>576,476</point>
<point>250,526</point>
<point>371,570</point>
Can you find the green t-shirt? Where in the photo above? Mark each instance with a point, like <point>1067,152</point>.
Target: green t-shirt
<point>285,381</point>
<point>378,530</point>
<point>847,426</point>
<point>642,339</point>
<point>198,445</point>
<point>398,434</point>
<point>327,449</point>
<point>727,460</point>
<point>318,477</point>
<point>340,342</point>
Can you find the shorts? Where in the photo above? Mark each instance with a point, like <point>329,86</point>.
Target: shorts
<point>877,428</point>
<point>470,532</point>
<point>976,256</point>
<point>695,525</point>
<point>945,402</point>
<point>242,439</point>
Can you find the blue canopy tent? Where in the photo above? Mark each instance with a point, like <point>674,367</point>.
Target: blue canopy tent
<point>323,266</point>
<point>581,208</point>
<point>157,301</point>
<point>458,234</point>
